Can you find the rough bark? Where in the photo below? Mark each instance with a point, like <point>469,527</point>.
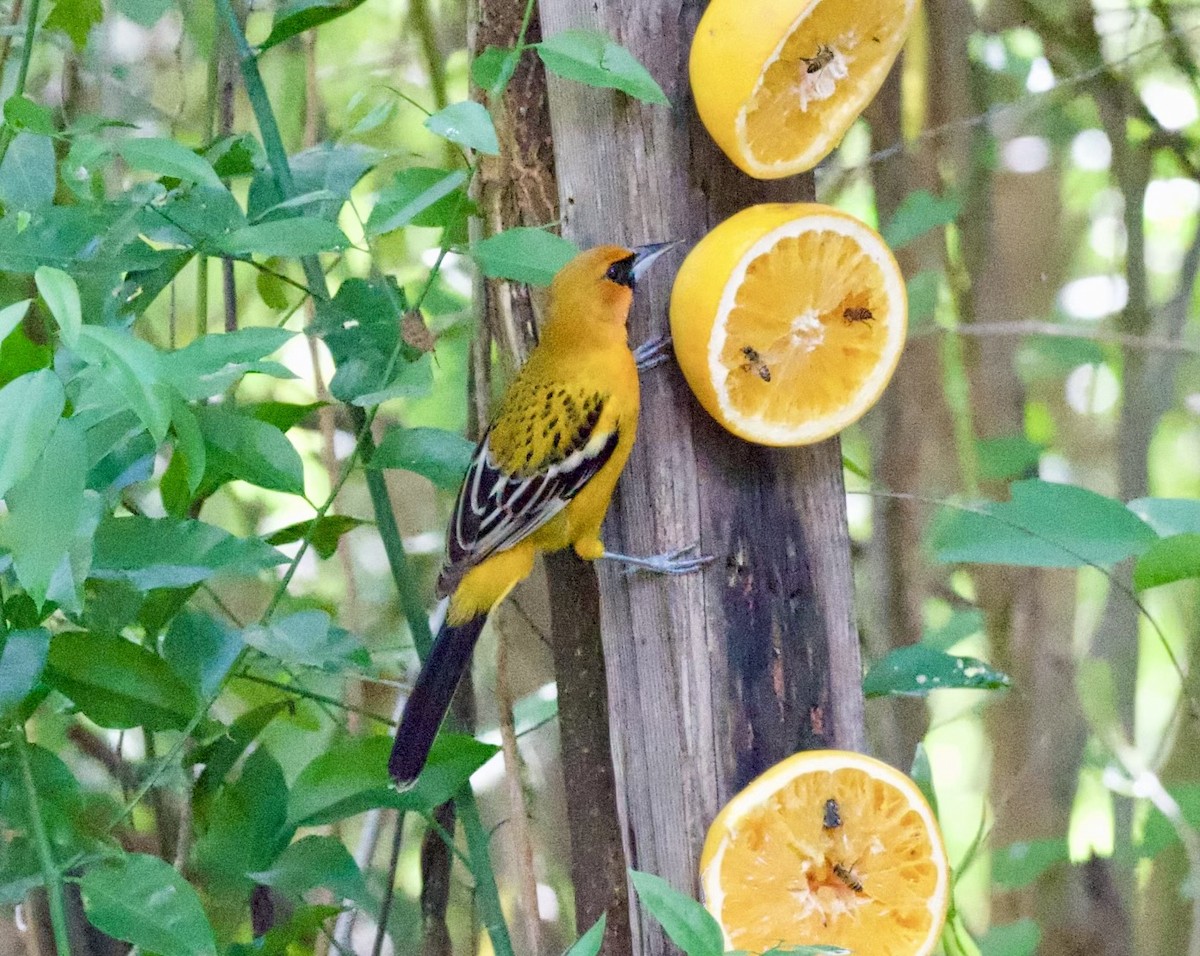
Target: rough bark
<point>711,677</point>
<point>518,189</point>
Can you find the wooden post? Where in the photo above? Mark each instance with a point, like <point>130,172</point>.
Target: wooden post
<point>712,677</point>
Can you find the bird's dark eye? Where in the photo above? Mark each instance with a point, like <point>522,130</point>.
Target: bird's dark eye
<point>621,271</point>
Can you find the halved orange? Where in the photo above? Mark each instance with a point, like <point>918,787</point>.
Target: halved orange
<point>778,85</point>
<point>788,321</point>
<point>828,847</point>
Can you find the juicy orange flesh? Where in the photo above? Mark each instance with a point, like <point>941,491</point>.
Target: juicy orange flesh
<point>825,58</point>
<point>789,880</point>
<point>808,327</point>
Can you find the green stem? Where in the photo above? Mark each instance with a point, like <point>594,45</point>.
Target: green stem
<point>256,91</point>
<point>51,874</point>
<point>7,132</point>
<point>487,896</point>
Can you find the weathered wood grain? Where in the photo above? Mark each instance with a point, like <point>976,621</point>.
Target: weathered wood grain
<point>712,677</point>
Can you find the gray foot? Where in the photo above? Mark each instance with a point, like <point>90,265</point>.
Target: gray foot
<point>653,352</point>
<point>680,561</point>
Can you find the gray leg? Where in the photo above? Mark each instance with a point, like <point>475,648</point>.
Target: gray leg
<point>673,562</point>
<point>653,352</point>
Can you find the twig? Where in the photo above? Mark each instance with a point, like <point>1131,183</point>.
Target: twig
<point>51,874</point>
<point>389,890</point>
<point>522,844</point>
<point>6,132</point>
<point>1056,330</point>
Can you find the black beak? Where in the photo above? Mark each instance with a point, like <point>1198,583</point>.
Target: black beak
<point>645,256</point>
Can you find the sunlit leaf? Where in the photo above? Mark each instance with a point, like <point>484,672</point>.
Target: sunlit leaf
<point>916,670</point>
<point>439,455</point>
<point>299,15</point>
<point>22,113</point>
<point>45,509</point>
<point>166,157</point>
<point>589,943</point>
<point>30,407</point>
<point>1168,560</point>
<point>62,298</point>
<point>689,925</point>
<point>468,124</point>
<point>1169,516</point>
<point>168,553</point>
<point>590,57</point>
<point>1044,525</point>
<point>523,254</point>
<point>284,237</point>
<point>144,901</point>
<point>76,19</point>
<point>118,683</point>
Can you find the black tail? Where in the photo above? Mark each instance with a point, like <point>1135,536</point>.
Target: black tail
<point>430,699</point>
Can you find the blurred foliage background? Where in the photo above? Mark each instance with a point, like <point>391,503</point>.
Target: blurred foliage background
<point>1034,164</point>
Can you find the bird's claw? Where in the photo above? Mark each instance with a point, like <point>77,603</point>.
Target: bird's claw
<point>653,352</point>
<point>672,562</point>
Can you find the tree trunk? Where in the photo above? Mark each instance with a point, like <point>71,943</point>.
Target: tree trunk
<point>712,677</point>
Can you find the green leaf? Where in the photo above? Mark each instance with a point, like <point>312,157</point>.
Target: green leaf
<point>76,19</point>
<point>62,298</point>
<point>334,169</point>
<point>590,942</point>
<point>189,444</point>
<point>1169,559</point>
<point>284,237</point>
<point>145,13</point>
<point>200,649</point>
<point>436,454</point>
<point>916,670</point>
<point>166,157</point>
<point>524,254</point>
<point>1160,833</point>
<point>1008,457</point>
<point>322,533</point>
<point>144,901</point>
<point>309,638</point>
<point>283,415</point>
<point>22,113</point>
<point>154,553</point>
<point>27,180</point>
<point>1044,525</point>
<point>493,68</point>
<point>922,775</point>
<point>923,291</point>
<point>1020,864</point>
<point>213,363</point>
<point>919,213</point>
<point>587,56</point>
<point>247,826</point>
<point>361,327</point>
<point>467,124</point>
<point>132,367</point>
<point>298,16</point>
<point>1169,516</point>
<point>690,926</point>
<point>117,683</point>
<point>314,862</point>
<point>241,447</point>
<point>352,777</point>
<point>419,196</point>
<point>297,935</point>
<point>1021,938</point>
<point>45,510</point>
<point>30,408</point>
<point>22,660</point>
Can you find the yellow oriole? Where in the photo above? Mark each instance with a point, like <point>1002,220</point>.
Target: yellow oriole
<point>541,478</point>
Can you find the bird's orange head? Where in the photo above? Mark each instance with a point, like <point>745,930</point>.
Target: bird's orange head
<point>593,292</point>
